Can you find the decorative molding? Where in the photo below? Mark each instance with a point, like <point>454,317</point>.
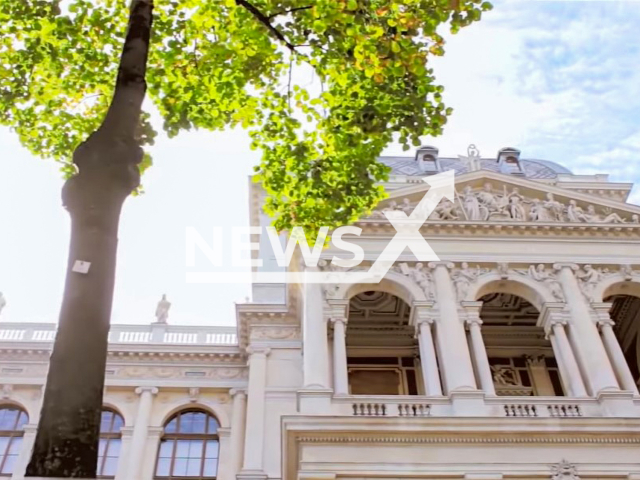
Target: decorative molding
<point>372,439</point>
<point>486,205</point>
<point>280,332</point>
<point>564,471</point>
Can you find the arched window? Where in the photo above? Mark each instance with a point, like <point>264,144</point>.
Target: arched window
<point>12,422</point>
<point>110,440</point>
<point>189,446</point>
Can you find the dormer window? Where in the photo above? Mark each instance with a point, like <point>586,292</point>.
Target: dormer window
<point>429,164</point>
<point>427,158</point>
<point>509,161</point>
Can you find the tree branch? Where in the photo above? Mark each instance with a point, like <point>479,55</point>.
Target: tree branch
<point>291,10</point>
<point>262,18</point>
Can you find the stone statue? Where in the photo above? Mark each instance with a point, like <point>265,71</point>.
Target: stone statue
<point>446,210</point>
<point>488,201</point>
<point>162,310</point>
<point>516,210</point>
<point>575,213</point>
<point>471,204</point>
<point>612,217</point>
<point>556,208</point>
<point>635,218</point>
<point>406,206</point>
<point>588,280</point>
<point>540,274</point>
<point>472,160</point>
<point>539,212</point>
<point>3,302</point>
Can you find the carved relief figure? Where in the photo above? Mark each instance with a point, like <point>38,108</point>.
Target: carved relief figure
<point>575,213</point>
<point>516,209</point>
<point>488,201</point>
<point>462,279</point>
<point>588,280</point>
<point>446,210</point>
<point>503,375</point>
<point>421,276</point>
<point>556,208</point>
<point>471,204</point>
<point>540,274</point>
<point>539,212</point>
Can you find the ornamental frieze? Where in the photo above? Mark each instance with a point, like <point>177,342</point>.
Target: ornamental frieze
<point>487,205</point>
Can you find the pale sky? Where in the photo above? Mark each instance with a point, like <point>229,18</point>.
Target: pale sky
<point>558,80</point>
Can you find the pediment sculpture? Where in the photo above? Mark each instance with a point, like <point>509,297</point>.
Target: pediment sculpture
<point>487,205</point>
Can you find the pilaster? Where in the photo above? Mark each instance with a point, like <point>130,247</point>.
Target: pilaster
<point>423,316</point>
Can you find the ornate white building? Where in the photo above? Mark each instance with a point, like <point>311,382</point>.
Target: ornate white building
<point>517,356</point>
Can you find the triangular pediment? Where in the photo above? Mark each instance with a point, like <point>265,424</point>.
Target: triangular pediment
<point>484,196</point>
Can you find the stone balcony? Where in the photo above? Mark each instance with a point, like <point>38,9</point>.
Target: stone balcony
<point>476,404</point>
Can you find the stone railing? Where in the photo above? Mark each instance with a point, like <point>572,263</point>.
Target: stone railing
<point>128,334</point>
<point>508,407</point>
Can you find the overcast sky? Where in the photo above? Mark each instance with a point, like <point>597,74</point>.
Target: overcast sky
<point>559,80</point>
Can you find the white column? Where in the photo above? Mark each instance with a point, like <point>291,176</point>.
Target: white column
<point>567,364</point>
<point>617,357</point>
<point>588,346</point>
<point>254,430</point>
<point>140,431</point>
<point>238,416</point>
<point>28,439</point>
<point>428,362</point>
<point>315,342</point>
<point>480,355</point>
<point>340,373</point>
<point>453,349</point>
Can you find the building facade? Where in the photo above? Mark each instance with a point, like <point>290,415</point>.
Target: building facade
<point>516,356</point>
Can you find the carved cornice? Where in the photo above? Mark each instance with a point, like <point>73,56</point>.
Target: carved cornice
<point>506,439</point>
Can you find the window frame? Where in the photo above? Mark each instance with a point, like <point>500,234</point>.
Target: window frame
<point>177,436</point>
<point>109,437</point>
<point>16,432</point>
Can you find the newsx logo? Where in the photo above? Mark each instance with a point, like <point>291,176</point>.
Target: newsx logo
<point>407,236</point>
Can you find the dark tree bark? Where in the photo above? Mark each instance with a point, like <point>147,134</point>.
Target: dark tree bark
<point>66,443</point>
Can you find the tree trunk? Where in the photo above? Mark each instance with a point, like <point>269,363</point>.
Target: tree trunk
<point>68,433</point>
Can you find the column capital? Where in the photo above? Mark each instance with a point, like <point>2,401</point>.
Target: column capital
<point>342,320</point>
<point>470,321</point>
<point>151,390</point>
<point>254,350</point>
<point>566,265</point>
<point>422,314</point>
<point>445,264</point>
<point>552,323</point>
<point>237,392</point>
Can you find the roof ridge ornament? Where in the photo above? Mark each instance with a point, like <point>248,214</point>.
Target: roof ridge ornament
<point>472,160</point>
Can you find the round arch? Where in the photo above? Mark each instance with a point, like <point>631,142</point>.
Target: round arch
<point>214,410</point>
<point>110,406</point>
<point>10,403</point>
<point>534,292</point>
<point>616,285</point>
<point>394,283</point>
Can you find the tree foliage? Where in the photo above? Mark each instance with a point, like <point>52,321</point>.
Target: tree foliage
<point>222,63</point>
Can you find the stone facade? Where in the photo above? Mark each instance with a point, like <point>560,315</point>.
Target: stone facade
<point>514,356</point>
